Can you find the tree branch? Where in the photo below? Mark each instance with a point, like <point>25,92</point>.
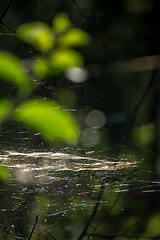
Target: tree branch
<point>8,26</point>
<point>94,211</point>
<point>7,232</point>
<point>78,8</point>
<point>3,15</point>
<point>136,111</point>
<point>5,10</point>
<point>33,228</point>
<point>90,235</point>
<point>44,230</point>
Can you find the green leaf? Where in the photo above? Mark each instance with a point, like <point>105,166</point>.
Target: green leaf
<point>153,228</point>
<point>12,71</point>
<point>61,22</point>
<point>38,34</point>
<point>4,108</point>
<point>4,174</point>
<point>143,135</point>
<point>63,59</point>
<point>41,67</point>
<point>74,37</point>
<point>47,118</point>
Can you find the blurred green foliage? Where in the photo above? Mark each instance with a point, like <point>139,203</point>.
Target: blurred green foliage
<point>38,34</point>
<point>56,54</point>
<point>143,135</point>
<point>4,174</point>
<point>48,118</point>
<point>119,33</point>
<point>12,71</point>
<point>56,44</point>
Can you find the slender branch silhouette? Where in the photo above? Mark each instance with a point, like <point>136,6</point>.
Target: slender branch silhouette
<point>78,8</point>
<point>5,10</point>
<point>136,111</point>
<point>3,15</point>
<point>127,229</point>
<point>44,230</point>
<point>7,232</point>
<point>94,210</point>
<point>8,26</point>
<point>107,214</point>
<point>33,228</point>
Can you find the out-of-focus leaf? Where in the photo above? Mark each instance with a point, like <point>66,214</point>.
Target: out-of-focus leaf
<point>74,37</point>
<point>4,174</point>
<point>143,135</point>
<point>38,34</point>
<point>61,22</point>
<point>153,228</point>
<point>4,108</point>
<point>48,118</point>
<point>63,59</point>
<point>41,67</point>
<point>12,71</point>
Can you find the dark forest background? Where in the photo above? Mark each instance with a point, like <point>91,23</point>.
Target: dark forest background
<point>121,58</point>
<point>123,82</point>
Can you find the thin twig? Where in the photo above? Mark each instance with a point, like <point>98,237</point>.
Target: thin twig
<point>94,210</point>
<point>33,228</point>
<point>107,214</point>
<point>8,26</point>
<point>44,230</point>
<point>136,110</point>
<point>3,15</point>
<point>127,229</point>
<point>5,10</point>
<point>7,232</point>
<point>78,8</point>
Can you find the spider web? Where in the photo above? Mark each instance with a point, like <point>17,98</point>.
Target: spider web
<point>57,182</point>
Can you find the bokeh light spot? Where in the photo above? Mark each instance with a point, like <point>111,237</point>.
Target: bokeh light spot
<point>76,74</point>
<point>96,119</point>
<point>89,137</point>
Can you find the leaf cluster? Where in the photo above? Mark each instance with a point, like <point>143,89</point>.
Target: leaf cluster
<point>55,45</point>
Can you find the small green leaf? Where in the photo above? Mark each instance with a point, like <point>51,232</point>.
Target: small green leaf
<point>63,59</point>
<point>48,118</point>
<point>41,67</point>
<point>143,135</point>
<point>4,174</point>
<point>74,37</point>
<point>4,108</point>
<point>38,34</point>
<point>12,71</point>
<point>61,22</point>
